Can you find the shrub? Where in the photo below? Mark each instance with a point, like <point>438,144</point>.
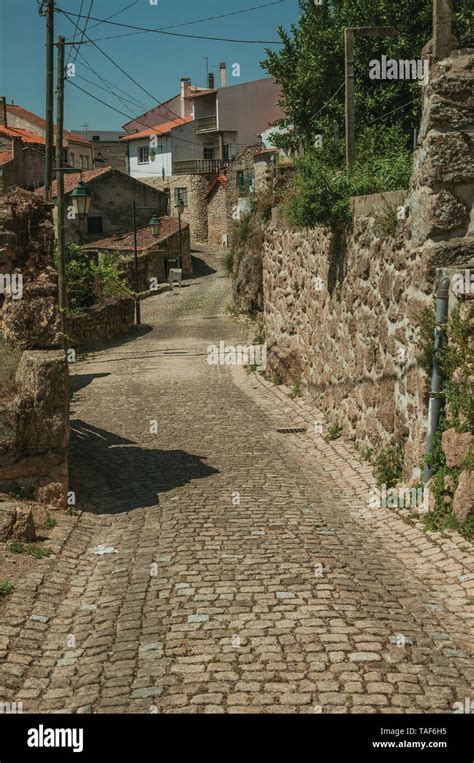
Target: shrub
<point>6,587</point>
<point>112,281</point>
<point>322,188</point>
<point>389,465</point>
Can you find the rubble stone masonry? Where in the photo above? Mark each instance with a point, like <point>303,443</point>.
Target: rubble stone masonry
<point>343,315</point>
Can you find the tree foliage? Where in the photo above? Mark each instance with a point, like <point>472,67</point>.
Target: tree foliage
<point>310,65</point>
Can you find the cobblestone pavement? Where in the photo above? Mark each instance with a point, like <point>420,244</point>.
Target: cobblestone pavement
<point>248,571</point>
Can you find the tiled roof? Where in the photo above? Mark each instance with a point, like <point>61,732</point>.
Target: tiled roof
<point>5,156</point>
<point>19,111</point>
<point>203,92</point>
<point>145,238</point>
<point>23,135</point>
<point>163,129</point>
<point>73,178</point>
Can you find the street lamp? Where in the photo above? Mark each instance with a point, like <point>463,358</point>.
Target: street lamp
<point>81,200</point>
<point>180,208</point>
<point>155,225</point>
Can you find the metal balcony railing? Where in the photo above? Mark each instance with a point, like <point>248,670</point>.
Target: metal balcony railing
<point>206,124</point>
<point>199,167</point>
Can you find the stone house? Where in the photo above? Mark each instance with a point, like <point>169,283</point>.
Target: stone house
<point>112,195</point>
<point>21,160</point>
<point>153,252</point>
<point>108,150</point>
<point>77,150</point>
<point>184,157</point>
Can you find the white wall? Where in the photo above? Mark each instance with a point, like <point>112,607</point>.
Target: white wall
<point>160,160</point>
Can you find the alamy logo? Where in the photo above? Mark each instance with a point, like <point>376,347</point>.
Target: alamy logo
<point>45,737</point>
<point>399,498</point>
<point>389,68</point>
<point>238,355</point>
<point>11,708</point>
<point>464,707</point>
<point>11,284</point>
<point>463,283</point>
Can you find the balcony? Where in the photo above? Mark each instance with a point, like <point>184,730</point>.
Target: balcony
<point>199,167</point>
<point>206,124</point>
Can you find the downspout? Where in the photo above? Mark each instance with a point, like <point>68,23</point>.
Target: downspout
<point>436,396</point>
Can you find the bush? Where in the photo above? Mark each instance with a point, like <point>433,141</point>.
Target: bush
<point>322,188</point>
<point>6,587</point>
<point>86,281</point>
<point>389,465</point>
<point>112,281</point>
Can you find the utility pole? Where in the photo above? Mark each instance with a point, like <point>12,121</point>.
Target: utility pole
<point>60,181</point>
<point>47,9</point>
<point>350,106</point>
<point>350,33</point>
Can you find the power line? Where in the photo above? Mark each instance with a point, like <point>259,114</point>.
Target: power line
<point>74,38</point>
<point>189,23</point>
<point>131,100</point>
<point>117,13</point>
<point>403,106</point>
<point>140,121</point>
<point>135,82</point>
<point>178,34</point>
<point>84,30</point>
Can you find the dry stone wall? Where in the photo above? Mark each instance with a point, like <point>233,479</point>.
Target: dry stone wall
<point>34,428</point>
<point>343,316</point>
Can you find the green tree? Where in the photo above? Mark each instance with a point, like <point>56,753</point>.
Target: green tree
<point>310,65</point>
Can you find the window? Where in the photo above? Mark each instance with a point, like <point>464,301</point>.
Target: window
<point>96,137</point>
<point>94,225</point>
<point>181,193</point>
<point>144,155</point>
<point>87,162</point>
<point>240,181</point>
<point>82,162</point>
<point>72,160</point>
<point>226,152</point>
<point>209,152</point>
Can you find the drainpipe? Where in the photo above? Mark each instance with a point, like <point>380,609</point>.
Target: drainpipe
<point>436,396</point>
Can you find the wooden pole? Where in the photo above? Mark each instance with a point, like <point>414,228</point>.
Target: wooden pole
<point>48,154</point>
<point>60,181</point>
<point>350,108</point>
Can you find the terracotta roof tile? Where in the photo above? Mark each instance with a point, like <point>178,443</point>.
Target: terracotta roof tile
<point>145,238</point>
<point>23,135</point>
<point>5,156</point>
<point>163,129</point>
<point>73,178</point>
<point>19,111</point>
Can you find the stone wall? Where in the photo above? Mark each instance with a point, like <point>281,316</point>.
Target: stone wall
<point>107,320</point>
<point>342,314</point>
<point>34,428</point>
<point>195,213</point>
<point>217,215</point>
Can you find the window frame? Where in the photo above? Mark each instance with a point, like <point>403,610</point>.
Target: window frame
<point>140,149</point>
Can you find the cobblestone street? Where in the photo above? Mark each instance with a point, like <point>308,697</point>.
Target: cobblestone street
<point>244,569</point>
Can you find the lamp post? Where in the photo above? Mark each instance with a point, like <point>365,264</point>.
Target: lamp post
<point>155,226</point>
<point>180,208</point>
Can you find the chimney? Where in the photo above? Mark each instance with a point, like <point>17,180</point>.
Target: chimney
<point>210,81</point>
<point>184,95</point>
<point>223,71</point>
<point>3,111</point>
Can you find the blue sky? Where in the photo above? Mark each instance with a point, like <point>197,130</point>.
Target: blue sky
<point>156,61</point>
